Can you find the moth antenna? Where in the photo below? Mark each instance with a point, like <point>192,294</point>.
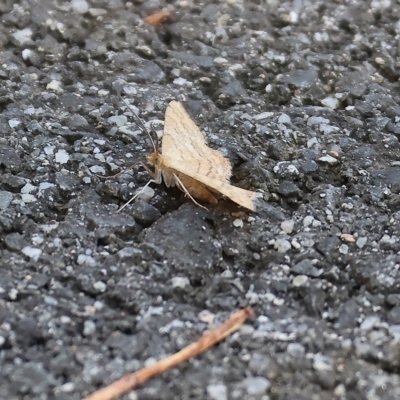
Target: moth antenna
<point>142,125</point>
<point>153,131</point>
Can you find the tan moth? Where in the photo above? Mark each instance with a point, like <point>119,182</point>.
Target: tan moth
<point>185,161</point>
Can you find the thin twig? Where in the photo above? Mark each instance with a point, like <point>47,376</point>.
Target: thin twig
<point>209,339</point>
<point>159,17</point>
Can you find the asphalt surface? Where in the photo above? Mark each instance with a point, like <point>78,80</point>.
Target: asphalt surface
<point>303,97</point>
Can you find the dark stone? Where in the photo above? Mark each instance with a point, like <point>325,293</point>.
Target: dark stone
<point>15,241</point>
<point>309,167</point>
<point>101,217</point>
<point>301,78</point>
<point>231,93</point>
<point>393,315</point>
<point>150,73</point>
<point>75,122</point>
<point>306,267</point>
<point>187,58</point>
<point>183,238</point>
<point>144,213</point>
<point>12,183</point>
<point>289,189</point>
<point>10,159</point>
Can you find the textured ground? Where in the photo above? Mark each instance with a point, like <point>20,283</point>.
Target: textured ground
<point>304,99</point>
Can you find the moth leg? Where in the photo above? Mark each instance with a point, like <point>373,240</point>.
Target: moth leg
<point>125,170</point>
<point>157,178</point>
<point>184,190</point>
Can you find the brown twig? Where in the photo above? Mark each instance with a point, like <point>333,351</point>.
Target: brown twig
<point>158,17</point>
<point>209,339</point>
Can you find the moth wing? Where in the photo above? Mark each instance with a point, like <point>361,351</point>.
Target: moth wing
<point>183,144</point>
<point>244,198</point>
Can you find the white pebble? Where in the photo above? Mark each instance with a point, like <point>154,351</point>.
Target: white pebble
<point>344,249</point>
<point>49,150</point>
<point>146,194</point>
<point>257,385</point>
<point>32,252</point>
<point>28,198</point>
<point>130,90</point>
<point>100,286</point>
<point>26,53</point>
<point>13,293</point>
<point>300,280</point>
<point>220,60</point>
<point>54,86</point>
<point>263,115</point>
<point>89,327</point>
<point>62,157</point>
<point>83,259</point>
<point>119,120</point>
<point>97,12</point>
<point>307,221</point>
<point>206,316</point>
<point>45,185</point>
<point>331,102</point>
<point>37,239</point>
<point>329,159</point>
<point>182,82</point>
<point>284,119</point>
<point>217,391</point>
<point>79,6</point>
<point>238,223</point>
<point>287,226</point>
<point>180,282</point>
<point>282,245</point>
<point>361,242</point>
<point>22,36</point>
<point>13,123</point>
<point>68,387</point>
<point>295,244</point>
<point>28,188</point>
<point>97,169</point>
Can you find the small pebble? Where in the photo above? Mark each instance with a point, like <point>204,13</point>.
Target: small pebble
<point>13,123</point>
<point>282,245</point>
<point>100,286</point>
<point>256,385</point>
<point>89,327</point>
<point>307,221</point>
<point>217,391</point>
<point>300,280</point>
<point>32,252</point>
<point>361,242</point>
<point>347,237</point>
<point>329,159</point>
<point>28,198</point>
<point>54,86</point>
<point>119,120</point>
<point>61,157</point>
<point>80,6</point>
<point>180,282</point>
<point>238,223</point>
<point>287,226</point>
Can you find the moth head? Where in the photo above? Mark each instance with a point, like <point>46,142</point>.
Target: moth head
<point>154,158</point>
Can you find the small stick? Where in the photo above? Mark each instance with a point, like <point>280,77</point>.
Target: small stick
<point>209,339</point>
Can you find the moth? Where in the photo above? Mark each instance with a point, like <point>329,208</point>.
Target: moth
<point>185,161</point>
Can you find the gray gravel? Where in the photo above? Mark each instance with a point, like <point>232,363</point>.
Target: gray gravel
<point>304,99</point>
